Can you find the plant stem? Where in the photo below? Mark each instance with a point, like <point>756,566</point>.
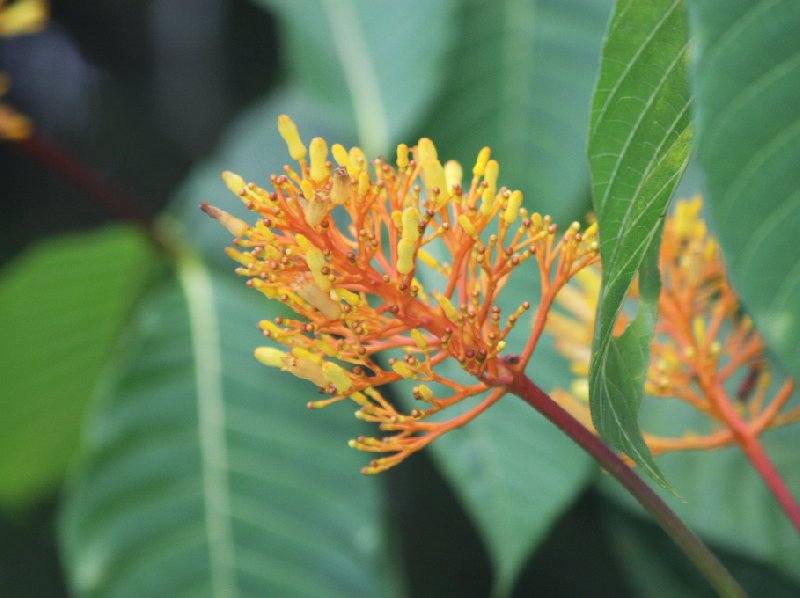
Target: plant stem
<point>705,561</point>
<point>761,462</point>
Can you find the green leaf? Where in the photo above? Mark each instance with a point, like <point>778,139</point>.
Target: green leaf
<point>638,148</point>
<point>62,303</point>
<point>519,79</point>
<point>375,64</point>
<point>203,473</point>
<point>746,72</point>
<point>723,498</point>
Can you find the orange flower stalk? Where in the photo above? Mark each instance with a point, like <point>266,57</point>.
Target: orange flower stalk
<point>705,352</point>
<point>392,272</point>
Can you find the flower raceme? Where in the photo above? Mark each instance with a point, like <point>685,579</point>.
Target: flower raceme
<point>393,271</point>
<point>705,352</point>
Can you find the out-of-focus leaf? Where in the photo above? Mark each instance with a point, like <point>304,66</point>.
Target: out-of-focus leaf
<point>724,499</point>
<point>62,304</point>
<point>746,73</point>
<point>203,473</point>
<point>376,65</point>
<point>638,148</point>
<point>519,79</point>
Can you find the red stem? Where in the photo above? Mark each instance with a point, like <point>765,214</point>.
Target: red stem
<point>713,570</point>
<point>772,478</point>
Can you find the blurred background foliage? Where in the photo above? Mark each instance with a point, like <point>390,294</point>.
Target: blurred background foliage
<point>195,470</point>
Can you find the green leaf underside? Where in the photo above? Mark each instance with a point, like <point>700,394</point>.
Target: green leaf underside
<point>368,61</point>
<point>638,148</point>
<point>519,79</point>
<point>203,473</point>
<point>746,70</point>
<point>62,304</point>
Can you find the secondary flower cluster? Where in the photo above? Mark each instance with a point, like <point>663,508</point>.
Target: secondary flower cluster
<point>393,271</point>
<point>705,353</point>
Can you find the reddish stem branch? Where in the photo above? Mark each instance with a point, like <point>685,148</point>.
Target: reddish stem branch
<point>713,570</point>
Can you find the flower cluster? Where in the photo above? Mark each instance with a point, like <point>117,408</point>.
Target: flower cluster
<point>393,271</point>
<point>705,352</point>
<point>19,18</point>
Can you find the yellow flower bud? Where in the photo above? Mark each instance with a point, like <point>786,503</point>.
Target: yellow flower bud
<point>411,224</point>
<point>468,227</point>
<point>364,183</point>
<point>233,181</point>
<point>271,356</point>
<point>337,376</point>
<point>452,174</point>
<point>426,150</point>
<point>446,306</point>
<point>405,255</point>
<point>319,156</point>
<point>288,130</point>
<point>491,173</point>
<point>402,155</point>
<point>480,163</point>
<point>512,207</point>
<point>403,369</point>
<point>308,189</point>
<point>340,191</point>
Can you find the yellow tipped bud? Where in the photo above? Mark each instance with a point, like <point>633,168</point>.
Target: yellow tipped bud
<point>306,355</point>
<point>491,173</point>
<point>340,190</point>
<point>419,339</point>
<point>348,296</point>
<point>405,255</point>
<point>468,227</point>
<point>403,369</point>
<point>397,219</point>
<point>340,155</point>
<point>480,163</point>
<point>319,156</point>
<point>446,306</point>
<point>402,155</point>
<point>424,393</point>
<point>273,331</point>
<point>236,226</point>
<point>308,189</point>
<point>699,328</point>
<point>501,345</point>
<point>433,175</point>
<point>233,181</point>
<point>411,224</point>
<point>487,204</point>
<point>364,183</point>
<point>358,161</point>
<point>453,174</point>
<point>512,207</point>
<point>337,376</point>
<point>288,130</point>
<point>426,150</point>
<point>271,356</point>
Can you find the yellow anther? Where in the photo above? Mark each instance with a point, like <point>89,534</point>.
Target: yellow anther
<point>536,221</point>
<point>337,376</point>
<point>274,331</point>
<point>433,175</point>
<point>426,150</point>
<point>245,259</point>
<point>424,392</point>
<point>308,189</point>
<point>452,174</point>
<point>480,163</point>
<point>402,155</point>
<point>319,156</point>
<point>411,224</point>
<point>271,356</point>
<point>591,231</point>
<point>491,173</point>
<point>364,183</point>
<point>305,354</point>
<point>419,339</point>
<point>233,181</point>
<point>236,226</point>
<point>303,242</point>
<point>403,369</point>
<point>358,162</point>
<point>501,346</point>
<point>348,297</point>
<point>446,306</point>
<point>397,219</point>
<point>699,328</point>
<point>512,207</point>
<point>340,190</point>
<point>405,255</point>
<point>288,130</point>
<point>316,261</point>
<point>340,155</point>
<point>468,227</point>
<point>428,259</point>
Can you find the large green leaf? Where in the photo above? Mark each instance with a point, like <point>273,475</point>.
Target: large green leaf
<point>519,79</point>
<point>638,148</point>
<point>375,64</point>
<point>203,473</point>
<point>747,82</point>
<point>724,499</point>
<point>62,304</point>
